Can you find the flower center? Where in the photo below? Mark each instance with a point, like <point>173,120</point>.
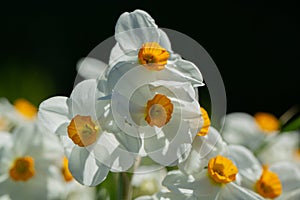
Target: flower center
<point>269,185</point>
<point>159,110</point>
<point>22,169</point>
<point>267,122</point>
<point>222,170</point>
<point>204,130</point>
<point>83,131</point>
<point>65,171</point>
<point>153,56</point>
<point>24,107</point>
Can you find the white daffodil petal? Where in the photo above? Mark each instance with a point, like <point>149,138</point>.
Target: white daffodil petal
<point>202,187</point>
<point>53,112</point>
<point>241,128</point>
<point>233,191</point>
<point>84,167</point>
<point>131,143</point>
<point>135,28</point>
<point>118,158</point>
<point>117,74</point>
<point>29,141</point>
<point>5,138</point>
<point>53,149</point>
<point>115,55</point>
<point>187,70</point>
<point>175,196</point>
<point>83,98</point>
<point>249,167</point>
<point>164,40</point>
<point>289,175</point>
<point>173,147</point>
<point>67,143</point>
<point>90,68</point>
<point>34,189</point>
<point>291,195</point>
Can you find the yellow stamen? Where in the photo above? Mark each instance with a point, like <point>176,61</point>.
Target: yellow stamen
<point>269,185</point>
<point>159,110</point>
<point>65,171</point>
<point>153,56</point>
<point>26,108</point>
<point>22,169</point>
<point>204,130</point>
<point>83,131</point>
<point>222,170</point>
<point>267,122</point>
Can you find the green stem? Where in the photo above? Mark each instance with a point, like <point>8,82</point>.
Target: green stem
<point>130,189</point>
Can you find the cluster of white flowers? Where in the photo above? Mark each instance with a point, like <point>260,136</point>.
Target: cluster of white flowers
<point>33,165</point>
<point>140,108</point>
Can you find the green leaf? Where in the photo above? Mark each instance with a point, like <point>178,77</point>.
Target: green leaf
<point>291,126</point>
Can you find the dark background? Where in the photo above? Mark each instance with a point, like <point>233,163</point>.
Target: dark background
<point>254,44</point>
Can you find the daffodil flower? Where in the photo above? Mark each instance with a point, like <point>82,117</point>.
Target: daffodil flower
<point>164,114</point>
<point>79,121</point>
<point>216,182</point>
<point>141,44</point>
<point>250,131</point>
<point>25,163</point>
<point>277,181</point>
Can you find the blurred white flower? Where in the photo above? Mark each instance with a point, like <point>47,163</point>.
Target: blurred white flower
<point>283,147</point>
<point>250,131</point>
<point>276,181</point>
<point>25,163</point>
<point>147,180</point>
<point>13,115</point>
<point>79,122</point>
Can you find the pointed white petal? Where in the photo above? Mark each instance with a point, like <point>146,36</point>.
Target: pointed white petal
<point>135,28</point>
<point>117,158</point>
<point>187,70</point>
<point>201,187</point>
<point>85,168</point>
<point>53,112</point>
<point>83,98</point>
<point>233,191</point>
